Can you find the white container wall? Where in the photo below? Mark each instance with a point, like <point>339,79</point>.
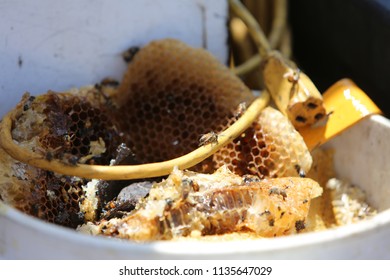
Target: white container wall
<point>57,45</point>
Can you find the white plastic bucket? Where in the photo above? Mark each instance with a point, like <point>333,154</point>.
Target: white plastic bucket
<point>58,45</point>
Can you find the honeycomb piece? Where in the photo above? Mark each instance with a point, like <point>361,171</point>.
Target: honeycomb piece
<point>170,95</point>
<point>189,203</point>
<point>39,193</point>
<point>271,147</point>
<point>349,202</point>
<point>321,214</point>
<point>73,126</point>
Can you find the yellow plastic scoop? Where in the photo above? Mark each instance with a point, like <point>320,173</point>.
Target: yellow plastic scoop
<point>346,104</point>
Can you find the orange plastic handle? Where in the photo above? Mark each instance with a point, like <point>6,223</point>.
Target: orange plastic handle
<point>346,104</point>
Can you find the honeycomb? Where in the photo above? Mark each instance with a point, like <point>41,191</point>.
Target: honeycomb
<point>189,203</point>
<point>171,94</point>
<point>66,126</point>
<point>271,148</point>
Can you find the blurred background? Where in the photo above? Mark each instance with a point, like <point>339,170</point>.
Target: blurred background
<point>328,39</point>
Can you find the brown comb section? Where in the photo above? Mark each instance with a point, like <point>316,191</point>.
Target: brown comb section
<point>73,127</point>
<point>171,94</point>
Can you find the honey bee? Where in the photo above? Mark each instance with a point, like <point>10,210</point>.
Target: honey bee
<point>49,156</point>
<point>129,54</point>
<point>106,88</point>
<point>278,191</point>
<point>247,178</point>
<point>208,138</point>
<point>300,225</point>
<point>293,78</point>
<point>69,159</point>
<point>300,171</point>
<point>109,82</point>
<point>28,102</point>
<point>240,110</point>
<point>68,139</point>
